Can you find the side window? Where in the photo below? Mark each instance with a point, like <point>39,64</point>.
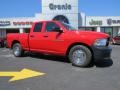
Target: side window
<point>51,26</point>
<point>38,27</point>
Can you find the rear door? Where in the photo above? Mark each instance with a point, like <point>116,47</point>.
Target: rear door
<point>36,37</point>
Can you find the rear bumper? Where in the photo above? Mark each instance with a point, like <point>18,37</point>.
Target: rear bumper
<point>101,53</point>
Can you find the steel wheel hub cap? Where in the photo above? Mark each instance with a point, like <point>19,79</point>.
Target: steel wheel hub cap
<point>79,57</point>
<point>16,50</point>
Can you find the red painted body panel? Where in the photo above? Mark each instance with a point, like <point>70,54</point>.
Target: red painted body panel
<point>21,38</point>
<point>53,42</point>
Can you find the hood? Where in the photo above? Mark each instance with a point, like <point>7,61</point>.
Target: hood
<point>92,34</point>
<point>87,37</point>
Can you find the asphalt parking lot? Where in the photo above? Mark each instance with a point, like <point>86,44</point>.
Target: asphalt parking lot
<point>60,75</point>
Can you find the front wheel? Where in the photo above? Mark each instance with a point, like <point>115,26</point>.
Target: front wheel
<point>80,56</point>
<point>17,50</point>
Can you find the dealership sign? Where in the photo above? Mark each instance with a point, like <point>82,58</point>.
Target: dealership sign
<point>60,7</point>
<point>22,23</point>
<point>96,22</point>
<point>4,23</point>
<point>111,21</point>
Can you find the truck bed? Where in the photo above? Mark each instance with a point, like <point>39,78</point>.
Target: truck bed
<point>23,38</point>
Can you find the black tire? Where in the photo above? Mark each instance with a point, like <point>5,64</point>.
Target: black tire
<point>80,56</point>
<point>17,50</point>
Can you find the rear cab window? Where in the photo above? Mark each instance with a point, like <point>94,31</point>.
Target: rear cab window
<point>38,27</point>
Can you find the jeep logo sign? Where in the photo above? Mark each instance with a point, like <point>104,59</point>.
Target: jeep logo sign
<point>96,22</point>
<point>60,7</point>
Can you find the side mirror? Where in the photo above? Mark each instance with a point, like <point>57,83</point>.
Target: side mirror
<point>58,30</point>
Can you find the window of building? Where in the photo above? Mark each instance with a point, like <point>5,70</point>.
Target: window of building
<point>90,28</point>
<point>102,30</point>
<point>81,28</point>
<point>115,31</point>
<point>27,30</point>
<point>12,31</point>
<point>108,30</point>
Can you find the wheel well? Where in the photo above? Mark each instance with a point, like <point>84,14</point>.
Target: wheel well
<point>74,44</point>
<point>15,41</point>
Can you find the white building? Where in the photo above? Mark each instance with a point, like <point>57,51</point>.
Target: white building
<point>107,24</point>
<point>62,10</point>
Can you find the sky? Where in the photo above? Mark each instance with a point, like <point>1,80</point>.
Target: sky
<point>28,8</point>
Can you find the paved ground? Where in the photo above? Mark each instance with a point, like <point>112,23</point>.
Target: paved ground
<point>61,75</point>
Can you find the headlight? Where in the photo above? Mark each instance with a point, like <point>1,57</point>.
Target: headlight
<point>100,42</point>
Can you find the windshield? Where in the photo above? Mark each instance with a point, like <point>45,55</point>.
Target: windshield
<point>68,27</point>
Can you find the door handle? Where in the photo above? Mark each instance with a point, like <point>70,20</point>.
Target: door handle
<point>32,36</point>
<point>45,36</point>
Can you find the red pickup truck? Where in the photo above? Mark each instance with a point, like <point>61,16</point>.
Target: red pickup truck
<point>58,38</point>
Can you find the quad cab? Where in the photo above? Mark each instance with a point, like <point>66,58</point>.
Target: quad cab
<point>57,38</point>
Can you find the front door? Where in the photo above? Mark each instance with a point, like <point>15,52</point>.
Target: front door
<point>53,40</point>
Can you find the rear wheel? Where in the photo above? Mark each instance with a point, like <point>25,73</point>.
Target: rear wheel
<point>80,56</point>
<point>17,50</point>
